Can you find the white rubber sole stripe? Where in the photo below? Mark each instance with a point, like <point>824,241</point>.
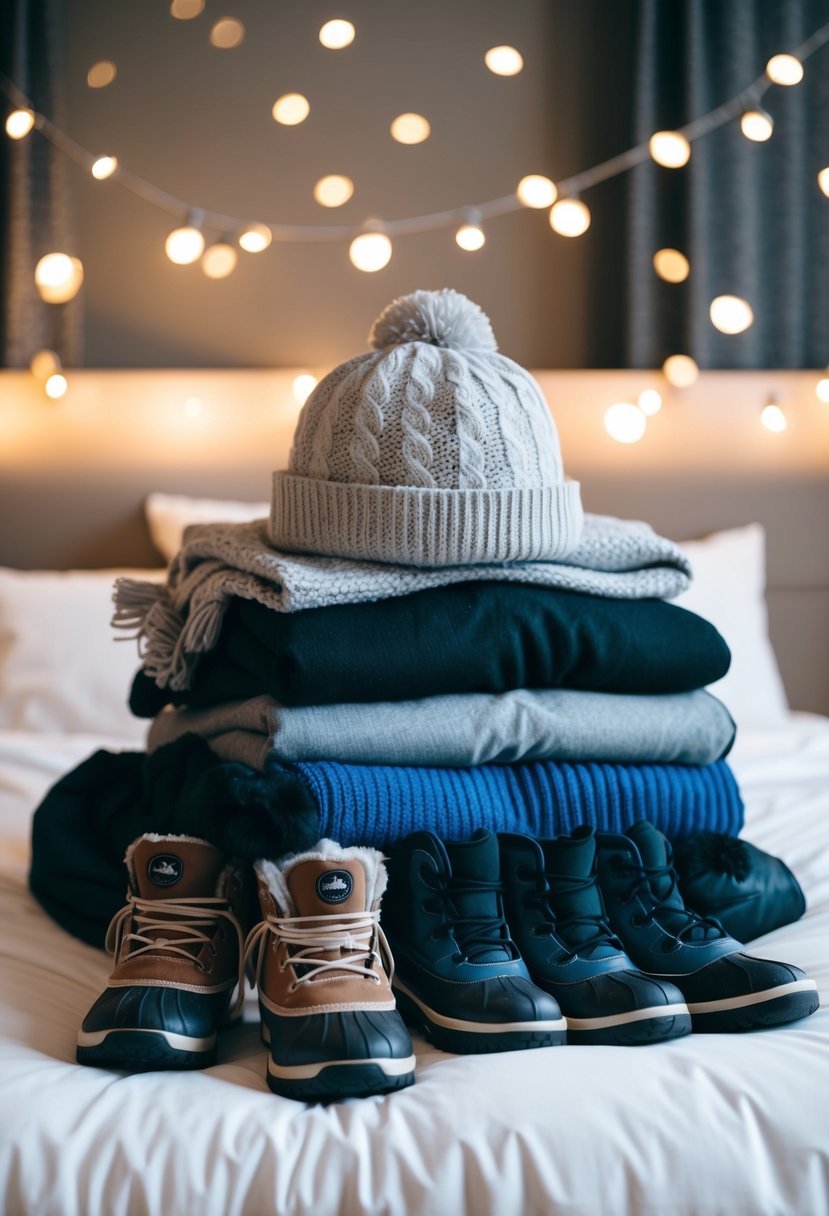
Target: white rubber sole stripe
<point>623,1019</point>
<point>441,1019</point>
<point>179,1042</point>
<point>752,998</point>
<point>305,1072</point>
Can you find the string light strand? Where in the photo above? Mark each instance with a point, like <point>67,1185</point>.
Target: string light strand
<point>720,116</point>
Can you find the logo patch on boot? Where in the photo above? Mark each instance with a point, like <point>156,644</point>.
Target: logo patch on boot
<point>335,886</point>
<point>164,869</point>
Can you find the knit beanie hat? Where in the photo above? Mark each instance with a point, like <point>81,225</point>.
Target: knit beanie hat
<point>432,450</point>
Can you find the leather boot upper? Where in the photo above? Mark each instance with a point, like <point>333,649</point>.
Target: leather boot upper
<point>321,945</point>
<point>178,942</point>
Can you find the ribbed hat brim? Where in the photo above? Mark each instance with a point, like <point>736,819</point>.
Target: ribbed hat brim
<point>424,527</point>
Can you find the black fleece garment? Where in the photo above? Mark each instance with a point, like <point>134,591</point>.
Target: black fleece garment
<point>82,828</point>
<point>469,637</point>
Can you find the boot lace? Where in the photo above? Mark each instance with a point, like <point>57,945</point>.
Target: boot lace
<point>183,927</point>
<point>569,884</point>
<point>475,934</point>
<point>308,937</point>
<point>661,910</point>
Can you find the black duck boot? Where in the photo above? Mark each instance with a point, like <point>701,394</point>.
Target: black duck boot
<point>459,977</point>
<point>725,988</point>
<point>555,912</point>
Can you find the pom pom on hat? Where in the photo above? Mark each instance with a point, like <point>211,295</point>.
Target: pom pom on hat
<point>443,318</point>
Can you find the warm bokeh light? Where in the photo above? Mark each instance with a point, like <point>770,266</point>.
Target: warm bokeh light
<point>104,167</point>
<point>44,364</point>
<point>680,370</point>
<point>650,402</point>
<point>625,422</point>
<point>184,245</point>
<point>784,69</point>
<point>219,260</point>
<point>569,217</point>
<point>535,190</point>
<point>255,238</point>
<point>504,60</point>
<point>823,180</point>
<point>101,74</point>
<point>822,390</point>
<point>773,418</point>
<point>185,10</point>
<point>291,109</point>
<point>337,34</point>
<point>669,149</point>
<point>227,33</point>
<point>193,407</point>
<point>333,190</point>
<point>56,386</point>
<point>757,125</point>
<point>730,314</point>
<point>671,265</point>
<point>370,251</point>
<point>410,129</point>
<point>303,385</point>
<point>19,123</point>
<point>58,277</point>
<point>470,237</point>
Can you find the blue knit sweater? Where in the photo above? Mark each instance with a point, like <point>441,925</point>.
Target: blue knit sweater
<point>377,805</point>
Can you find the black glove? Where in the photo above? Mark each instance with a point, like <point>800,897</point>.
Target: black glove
<point>748,891</point>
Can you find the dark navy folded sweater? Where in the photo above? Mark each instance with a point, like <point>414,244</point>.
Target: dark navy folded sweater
<point>471,637</point>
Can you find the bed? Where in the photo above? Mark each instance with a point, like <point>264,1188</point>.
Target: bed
<point>719,1124</point>
<point>702,1126</point>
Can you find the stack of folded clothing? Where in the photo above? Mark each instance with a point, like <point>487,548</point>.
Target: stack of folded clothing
<point>427,634</point>
<point>427,630</point>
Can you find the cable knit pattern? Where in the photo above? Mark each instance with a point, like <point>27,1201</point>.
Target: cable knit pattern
<point>470,431</point>
<point>322,440</point>
<point>364,448</point>
<point>416,419</point>
<point>521,459</point>
<point>431,450</point>
<point>177,623</point>
<point>537,411</point>
<point>309,419</point>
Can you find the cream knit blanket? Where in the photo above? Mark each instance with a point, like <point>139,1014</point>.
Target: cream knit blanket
<point>178,622</point>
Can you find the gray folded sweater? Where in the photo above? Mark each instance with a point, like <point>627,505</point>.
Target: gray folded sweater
<point>464,729</point>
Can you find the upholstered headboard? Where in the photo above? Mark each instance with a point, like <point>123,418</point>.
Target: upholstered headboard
<point>74,473</point>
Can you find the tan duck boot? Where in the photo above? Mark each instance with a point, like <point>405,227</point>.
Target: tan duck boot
<point>178,945</point>
<point>322,967</point>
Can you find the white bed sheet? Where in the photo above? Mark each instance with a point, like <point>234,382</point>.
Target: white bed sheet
<point>707,1125</point>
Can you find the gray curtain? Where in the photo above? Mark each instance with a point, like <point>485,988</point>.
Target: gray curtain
<point>34,208</point>
<point>749,216</point>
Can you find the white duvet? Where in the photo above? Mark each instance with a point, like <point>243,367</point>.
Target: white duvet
<point>709,1124</point>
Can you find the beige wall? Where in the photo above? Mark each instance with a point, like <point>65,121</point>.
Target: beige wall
<point>74,473</point>
<point>113,420</point>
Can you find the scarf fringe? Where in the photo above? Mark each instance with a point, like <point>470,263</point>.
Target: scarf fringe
<point>159,628</point>
<point>133,598</point>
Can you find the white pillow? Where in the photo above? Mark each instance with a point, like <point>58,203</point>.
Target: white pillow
<point>728,589</point>
<point>61,668</point>
<point>169,514</point>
